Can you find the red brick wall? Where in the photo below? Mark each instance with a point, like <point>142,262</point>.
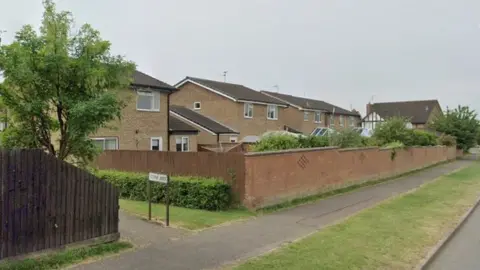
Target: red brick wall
<point>271,178</point>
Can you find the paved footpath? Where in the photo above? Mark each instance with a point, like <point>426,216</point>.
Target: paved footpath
<point>463,250</point>
<point>161,248</point>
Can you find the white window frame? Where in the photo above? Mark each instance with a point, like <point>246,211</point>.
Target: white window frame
<point>160,143</point>
<point>181,143</point>
<point>332,120</point>
<point>275,107</point>
<point>305,116</point>
<point>199,105</point>
<point>104,139</point>
<point>352,121</point>
<point>246,110</point>
<point>233,139</point>
<point>148,94</point>
<point>341,120</point>
<point>319,113</point>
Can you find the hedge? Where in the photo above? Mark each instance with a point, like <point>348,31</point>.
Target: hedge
<point>190,192</point>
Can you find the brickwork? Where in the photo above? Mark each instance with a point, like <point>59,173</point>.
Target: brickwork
<point>136,128</point>
<point>271,178</point>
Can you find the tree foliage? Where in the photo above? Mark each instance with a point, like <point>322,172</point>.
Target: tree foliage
<point>461,123</point>
<point>347,138</point>
<point>59,86</point>
<point>393,130</point>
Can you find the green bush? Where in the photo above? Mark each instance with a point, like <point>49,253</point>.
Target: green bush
<point>447,140</point>
<point>189,192</point>
<point>284,142</point>
<point>346,138</point>
<point>423,138</point>
<point>369,142</point>
<point>393,130</point>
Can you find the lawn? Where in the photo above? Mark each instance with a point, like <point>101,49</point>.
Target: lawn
<point>192,219</point>
<point>396,234</point>
<point>65,258</point>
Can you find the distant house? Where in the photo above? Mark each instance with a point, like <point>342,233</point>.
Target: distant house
<point>242,109</point>
<point>419,113</point>
<point>305,115</point>
<point>209,130</point>
<point>144,122</point>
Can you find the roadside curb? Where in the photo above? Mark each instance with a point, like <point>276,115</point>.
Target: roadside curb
<point>435,250</point>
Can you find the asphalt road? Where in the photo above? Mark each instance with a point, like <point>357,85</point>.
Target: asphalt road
<point>463,250</point>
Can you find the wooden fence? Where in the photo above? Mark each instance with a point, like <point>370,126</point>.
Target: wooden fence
<point>46,203</point>
<point>230,167</point>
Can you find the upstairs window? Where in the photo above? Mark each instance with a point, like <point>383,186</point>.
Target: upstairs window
<point>148,101</point>
<point>352,121</point>
<point>248,110</point>
<point>318,117</point>
<point>197,105</point>
<point>341,118</point>
<point>272,112</point>
<point>305,116</point>
<point>332,120</point>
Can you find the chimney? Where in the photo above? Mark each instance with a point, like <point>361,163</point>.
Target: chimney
<point>369,108</point>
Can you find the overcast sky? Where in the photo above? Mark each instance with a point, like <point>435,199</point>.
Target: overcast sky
<point>342,52</point>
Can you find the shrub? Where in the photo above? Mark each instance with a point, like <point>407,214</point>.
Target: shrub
<point>369,141</point>
<point>393,130</point>
<point>189,192</point>
<point>346,138</point>
<point>276,142</point>
<point>447,140</point>
<point>313,141</point>
<point>423,138</point>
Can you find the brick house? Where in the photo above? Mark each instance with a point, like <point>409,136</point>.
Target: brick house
<point>183,137</point>
<point>240,108</point>
<point>419,112</point>
<point>209,130</point>
<point>144,122</point>
<point>304,114</point>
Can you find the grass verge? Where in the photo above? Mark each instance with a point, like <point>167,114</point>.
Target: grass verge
<point>396,234</point>
<point>316,197</point>
<point>192,219</point>
<point>65,258</point>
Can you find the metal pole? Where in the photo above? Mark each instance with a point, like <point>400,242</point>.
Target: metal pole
<point>167,201</point>
<point>149,192</point>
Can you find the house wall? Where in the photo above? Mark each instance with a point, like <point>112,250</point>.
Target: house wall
<point>192,140</point>
<point>226,111</point>
<point>135,128</point>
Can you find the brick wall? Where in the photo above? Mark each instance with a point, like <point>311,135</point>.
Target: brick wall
<point>271,178</point>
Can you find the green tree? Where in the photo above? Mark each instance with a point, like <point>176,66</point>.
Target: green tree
<point>461,123</point>
<point>60,86</point>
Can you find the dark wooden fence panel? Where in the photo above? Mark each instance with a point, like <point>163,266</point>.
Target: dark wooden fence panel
<point>46,203</point>
<point>230,167</point>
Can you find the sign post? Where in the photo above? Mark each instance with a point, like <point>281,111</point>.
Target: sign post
<point>159,178</point>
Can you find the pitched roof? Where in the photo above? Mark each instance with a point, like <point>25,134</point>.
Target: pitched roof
<point>141,79</point>
<point>177,125</point>
<point>310,104</point>
<point>236,92</point>
<point>201,120</point>
<point>418,111</point>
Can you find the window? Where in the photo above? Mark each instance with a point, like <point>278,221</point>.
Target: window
<point>409,125</point>
<point>248,110</point>
<point>318,117</point>
<point>182,144</point>
<point>341,118</point>
<point>3,126</point>
<point>332,120</point>
<point>272,112</point>
<point>148,101</point>
<point>197,105</point>
<point>352,121</point>
<point>305,116</point>
<point>233,139</point>
<point>156,143</point>
<point>106,143</point>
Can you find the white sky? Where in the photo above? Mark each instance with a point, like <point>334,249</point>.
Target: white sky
<point>343,52</point>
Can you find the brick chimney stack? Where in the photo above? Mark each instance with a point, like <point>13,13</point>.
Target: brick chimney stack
<point>369,108</point>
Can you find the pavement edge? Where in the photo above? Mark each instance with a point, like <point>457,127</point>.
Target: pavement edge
<point>436,249</point>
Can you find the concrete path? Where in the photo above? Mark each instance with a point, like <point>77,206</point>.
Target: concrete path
<point>463,250</point>
<point>165,249</point>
